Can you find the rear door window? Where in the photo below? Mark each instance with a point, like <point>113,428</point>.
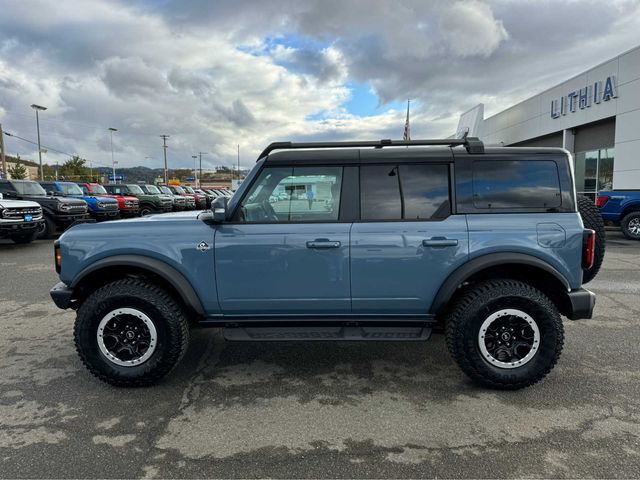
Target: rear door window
<point>504,184</point>
<point>404,192</point>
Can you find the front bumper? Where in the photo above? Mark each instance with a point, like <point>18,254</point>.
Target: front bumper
<point>61,295</point>
<point>9,228</point>
<point>582,302</point>
<point>105,214</point>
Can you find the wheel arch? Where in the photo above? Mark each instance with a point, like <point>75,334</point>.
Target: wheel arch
<point>628,208</point>
<point>516,266</point>
<point>121,266</point>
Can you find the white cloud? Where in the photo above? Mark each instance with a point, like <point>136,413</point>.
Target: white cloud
<point>469,28</point>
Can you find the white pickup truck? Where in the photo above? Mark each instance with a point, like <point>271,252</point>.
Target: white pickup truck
<point>20,220</point>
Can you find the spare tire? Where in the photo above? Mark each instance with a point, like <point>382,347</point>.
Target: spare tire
<point>592,219</point>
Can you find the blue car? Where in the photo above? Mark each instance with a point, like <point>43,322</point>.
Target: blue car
<point>366,241</point>
<point>622,208</point>
<point>100,208</point>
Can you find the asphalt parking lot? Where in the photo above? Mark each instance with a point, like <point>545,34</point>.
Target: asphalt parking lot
<point>316,410</point>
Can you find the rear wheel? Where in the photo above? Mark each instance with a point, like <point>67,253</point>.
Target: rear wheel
<point>131,333</point>
<point>592,219</point>
<point>505,334</point>
<point>631,226</point>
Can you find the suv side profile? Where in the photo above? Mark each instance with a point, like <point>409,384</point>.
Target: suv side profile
<point>346,241</point>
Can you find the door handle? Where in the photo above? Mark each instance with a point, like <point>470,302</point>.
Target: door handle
<point>323,244</point>
<point>440,242</point>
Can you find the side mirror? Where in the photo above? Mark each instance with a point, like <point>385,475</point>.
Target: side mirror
<point>219,207</point>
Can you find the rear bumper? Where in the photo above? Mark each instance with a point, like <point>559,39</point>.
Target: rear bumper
<point>61,295</point>
<point>582,303</point>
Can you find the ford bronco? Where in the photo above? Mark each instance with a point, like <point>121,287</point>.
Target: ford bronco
<point>59,212</point>
<point>100,208</point>
<point>19,220</point>
<point>347,241</point>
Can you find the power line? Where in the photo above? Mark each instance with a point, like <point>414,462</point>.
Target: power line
<point>52,149</point>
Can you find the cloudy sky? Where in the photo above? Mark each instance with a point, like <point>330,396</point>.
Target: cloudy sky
<point>216,73</point>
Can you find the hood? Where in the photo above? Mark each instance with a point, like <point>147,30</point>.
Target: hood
<point>105,198</point>
<point>6,203</point>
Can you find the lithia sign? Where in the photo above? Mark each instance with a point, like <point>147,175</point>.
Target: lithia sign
<point>584,97</point>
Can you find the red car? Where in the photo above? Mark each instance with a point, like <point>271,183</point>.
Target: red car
<point>129,206</point>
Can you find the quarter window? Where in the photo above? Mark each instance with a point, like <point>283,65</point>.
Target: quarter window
<point>516,184</point>
<point>294,194</point>
<point>404,192</point>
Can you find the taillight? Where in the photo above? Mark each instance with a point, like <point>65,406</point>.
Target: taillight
<point>602,201</point>
<point>588,248</point>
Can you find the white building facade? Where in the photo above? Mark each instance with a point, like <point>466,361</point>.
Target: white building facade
<point>594,115</point>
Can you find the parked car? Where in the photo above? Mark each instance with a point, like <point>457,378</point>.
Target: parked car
<point>486,243</point>
<point>179,201</point>
<point>178,190</point>
<point>129,206</point>
<point>100,208</point>
<point>148,203</point>
<point>20,221</point>
<point>153,190</point>
<point>201,201</point>
<point>208,196</point>
<point>621,208</point>
<point>59,212</point>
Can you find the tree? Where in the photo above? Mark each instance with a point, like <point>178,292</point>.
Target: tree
<point>18,171</point>
<point>74,169</point>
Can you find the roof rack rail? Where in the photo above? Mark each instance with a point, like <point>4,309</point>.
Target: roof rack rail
<point>472,144</point>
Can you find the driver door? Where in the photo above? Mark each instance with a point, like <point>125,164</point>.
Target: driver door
<point>286,252</point>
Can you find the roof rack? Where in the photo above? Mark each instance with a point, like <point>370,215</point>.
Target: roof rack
<point>472,144</point>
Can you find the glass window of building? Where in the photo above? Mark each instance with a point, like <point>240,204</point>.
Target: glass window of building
<point>594,171</point>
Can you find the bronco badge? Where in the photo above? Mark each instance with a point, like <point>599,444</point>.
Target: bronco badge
<point>203,246</point>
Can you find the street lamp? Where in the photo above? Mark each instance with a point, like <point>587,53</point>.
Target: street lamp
<point>195,172</point>
<point>113,163</point>
<point>200,177</point>
<point>38,108</point>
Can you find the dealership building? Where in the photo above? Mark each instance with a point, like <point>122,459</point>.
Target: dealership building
<point>595,115</point>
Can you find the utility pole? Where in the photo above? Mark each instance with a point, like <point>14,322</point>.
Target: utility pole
<point>2,156</point>
<point>195,172</point>
<point>113,163</point>
<point>164,147</point>
<point>238,163</point>
<point>37,108</point>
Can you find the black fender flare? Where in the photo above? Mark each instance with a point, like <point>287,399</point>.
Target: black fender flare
<point>458,276</point>
<point>168,273</point>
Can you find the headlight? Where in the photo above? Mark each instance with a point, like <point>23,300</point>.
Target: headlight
<point>64,207</point>
<point>101,205</point>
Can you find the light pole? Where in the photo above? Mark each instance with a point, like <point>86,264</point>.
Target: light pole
<point>38,108</point>
<point>164,147</point>
<point>113,163</point>
<point>200,176</point>
<point>195,172</point>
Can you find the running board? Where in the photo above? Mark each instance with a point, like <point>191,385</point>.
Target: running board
<point>327,333</point>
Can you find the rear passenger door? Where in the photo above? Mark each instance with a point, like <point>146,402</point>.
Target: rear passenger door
<point>408,240</point>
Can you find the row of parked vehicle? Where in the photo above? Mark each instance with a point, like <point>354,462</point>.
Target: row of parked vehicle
<point>29,209</point>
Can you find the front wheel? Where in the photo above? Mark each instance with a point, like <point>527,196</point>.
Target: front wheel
<point>145,210</point>
<point>505,334</point>
<point>131,333</point>
<point>25,238</point>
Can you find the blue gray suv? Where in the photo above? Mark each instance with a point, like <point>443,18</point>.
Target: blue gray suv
<point>350,241</point>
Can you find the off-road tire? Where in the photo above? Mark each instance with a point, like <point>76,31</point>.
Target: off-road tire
<point>475,305</point>
<point>624,225</point>
<point>146,210</point>
<point>48,228</point>
<point>25,238</point>
<point>592,219</point>
<point>167,315</point>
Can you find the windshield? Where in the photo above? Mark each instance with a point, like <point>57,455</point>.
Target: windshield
<point>188,189</point>
<point>29,188</point>
<point>70,189</point>
<point>135,189</point>
<point>98,190</point>
<point>166,190</point>
<point>179,190</point>
<point>152,189</point>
